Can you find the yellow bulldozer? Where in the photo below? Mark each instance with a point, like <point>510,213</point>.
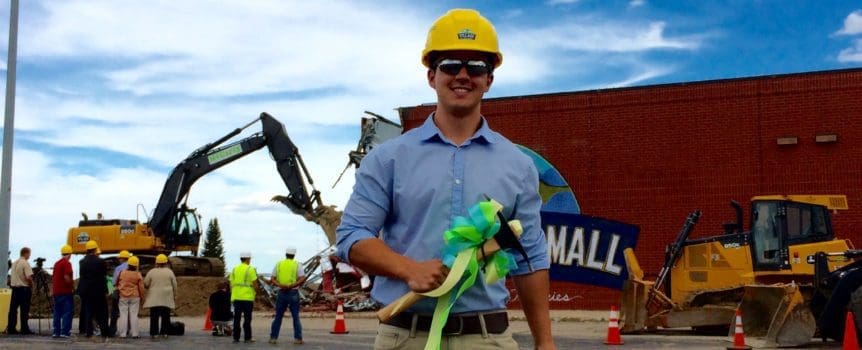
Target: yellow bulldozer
<point>767,272</point>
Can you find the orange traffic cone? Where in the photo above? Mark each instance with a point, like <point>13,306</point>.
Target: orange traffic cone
<point>850,340</point>
<point>614,328</point>
<point>208,326</point>
<point>340,327</point>
<point>738,335</point>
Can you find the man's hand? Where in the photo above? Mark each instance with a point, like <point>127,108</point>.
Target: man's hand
<point>426,275</point>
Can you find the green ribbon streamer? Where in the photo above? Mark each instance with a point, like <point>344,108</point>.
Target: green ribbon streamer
<point>463,240</point>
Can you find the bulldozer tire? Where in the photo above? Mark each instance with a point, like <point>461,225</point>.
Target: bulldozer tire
<point>856,308</point>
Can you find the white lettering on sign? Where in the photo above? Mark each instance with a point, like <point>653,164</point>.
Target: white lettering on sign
<point>553,296</point>
<point>567,253</point>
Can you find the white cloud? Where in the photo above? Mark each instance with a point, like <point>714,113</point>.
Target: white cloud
<point>606,37</point>
<point>235,48</point>
<point>851,54</point>
<point>581,45</point>
<point>852,24</point>
<point>637,3</point>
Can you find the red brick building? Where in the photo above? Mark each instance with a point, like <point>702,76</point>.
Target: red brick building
<point>650,155</point>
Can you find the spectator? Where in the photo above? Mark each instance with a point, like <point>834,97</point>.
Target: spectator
<point>22,292</point>
<point>123,258</point>
<point>93,291</point>
<point>130,288</point>
<point>62,289</point>
<point>220,310</point>
<point>160,298</point>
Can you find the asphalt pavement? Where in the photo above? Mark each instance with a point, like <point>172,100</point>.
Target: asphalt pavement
<point>572,330</point>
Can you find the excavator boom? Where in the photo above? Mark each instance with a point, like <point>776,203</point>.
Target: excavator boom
<point>174,226</point>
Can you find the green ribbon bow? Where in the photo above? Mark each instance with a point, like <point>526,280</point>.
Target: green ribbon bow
<point>463,241</point>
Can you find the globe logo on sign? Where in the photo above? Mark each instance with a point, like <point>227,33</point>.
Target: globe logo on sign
<point>83,238</point>
<point>556,194</point>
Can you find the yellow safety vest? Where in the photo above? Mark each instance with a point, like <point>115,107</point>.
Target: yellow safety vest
<point>242,283</point>
<point>285,271</point>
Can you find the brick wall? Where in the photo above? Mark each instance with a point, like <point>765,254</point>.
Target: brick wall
<point>650,155</point>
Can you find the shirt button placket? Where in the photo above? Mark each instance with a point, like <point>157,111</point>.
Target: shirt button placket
<point>457,181</point>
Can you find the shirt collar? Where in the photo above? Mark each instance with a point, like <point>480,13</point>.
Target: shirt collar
<point>429,131</point>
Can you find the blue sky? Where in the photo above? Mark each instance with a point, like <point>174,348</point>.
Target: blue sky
<point>112,94</point>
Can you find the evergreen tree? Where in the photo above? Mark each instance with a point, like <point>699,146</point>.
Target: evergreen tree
<point>213,245</point>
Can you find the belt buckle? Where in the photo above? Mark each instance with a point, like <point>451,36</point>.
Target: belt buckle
<point>460,327</point>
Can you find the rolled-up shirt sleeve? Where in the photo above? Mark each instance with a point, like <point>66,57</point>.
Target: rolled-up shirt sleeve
<point>369,203</point>
<point>533,237</point>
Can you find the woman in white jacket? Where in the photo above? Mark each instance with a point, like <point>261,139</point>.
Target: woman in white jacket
<point>161,292</point>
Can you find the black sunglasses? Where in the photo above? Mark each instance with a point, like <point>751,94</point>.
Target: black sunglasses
<point>475,68</point>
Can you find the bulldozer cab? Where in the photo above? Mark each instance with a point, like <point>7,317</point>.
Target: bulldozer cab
<point>778,223</point>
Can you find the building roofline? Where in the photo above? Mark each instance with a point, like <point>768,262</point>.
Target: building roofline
<point>695,82</point>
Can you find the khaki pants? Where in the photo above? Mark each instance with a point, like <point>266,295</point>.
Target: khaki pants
<point>128,321</point>
<point>391,337</point>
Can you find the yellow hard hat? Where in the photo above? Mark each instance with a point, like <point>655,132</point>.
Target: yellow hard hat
<point>133,261</point>
<point>162,259</point>
<point>462,29</point>
<point>91,244</point>
<point>66,249</point>
<point>124,254</point>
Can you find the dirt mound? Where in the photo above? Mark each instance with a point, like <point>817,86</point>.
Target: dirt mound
<point>193,295</point>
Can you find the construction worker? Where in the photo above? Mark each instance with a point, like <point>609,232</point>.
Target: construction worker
<point>288,276</point>
<point>21,282</point>
<point>243,283</point>
<point>409,190</point>
<point>123,258</point>
<point>93,291</point>
<point>62,290</point>
<point>161,284</point>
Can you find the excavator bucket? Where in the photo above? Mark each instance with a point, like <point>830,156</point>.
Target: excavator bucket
<point>776,316</point>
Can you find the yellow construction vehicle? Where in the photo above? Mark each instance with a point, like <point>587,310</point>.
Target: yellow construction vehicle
<point>175,227</point>
<point>767,272</point>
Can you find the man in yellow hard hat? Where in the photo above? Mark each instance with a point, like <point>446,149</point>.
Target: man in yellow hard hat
<point>243,283</point>
<point>410,189</point>
<point>93,291</point>
<point>123,259</point>
<point>62,290</point>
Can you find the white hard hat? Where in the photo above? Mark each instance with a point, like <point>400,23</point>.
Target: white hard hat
<point>245,255</point>
<point>290,251</point>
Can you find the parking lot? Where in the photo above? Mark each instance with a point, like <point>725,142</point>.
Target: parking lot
<point>571,329</point>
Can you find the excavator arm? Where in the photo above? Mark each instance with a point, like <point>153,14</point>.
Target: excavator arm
<point>171,209</point>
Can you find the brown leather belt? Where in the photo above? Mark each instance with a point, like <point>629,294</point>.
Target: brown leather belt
<point>494,323</point>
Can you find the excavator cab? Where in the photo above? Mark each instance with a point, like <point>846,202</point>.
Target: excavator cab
<point>186,223</point>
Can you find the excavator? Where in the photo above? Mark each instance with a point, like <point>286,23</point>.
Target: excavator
<point>175,227</point>
<point>788,275</point>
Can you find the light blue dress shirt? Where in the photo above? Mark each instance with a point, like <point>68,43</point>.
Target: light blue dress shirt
<point>410,188</point>
<point>120,268</point>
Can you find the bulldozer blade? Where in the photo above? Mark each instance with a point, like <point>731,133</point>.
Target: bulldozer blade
<point>776,316</point>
